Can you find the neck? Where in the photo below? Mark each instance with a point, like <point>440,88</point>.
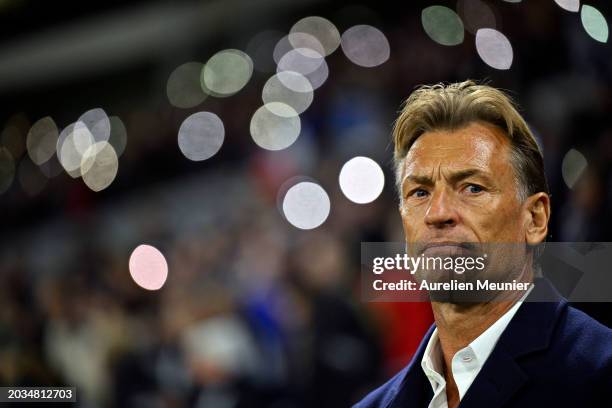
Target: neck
<point>460,323</point>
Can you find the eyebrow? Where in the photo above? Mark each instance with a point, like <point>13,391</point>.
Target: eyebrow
<point>455,177</point>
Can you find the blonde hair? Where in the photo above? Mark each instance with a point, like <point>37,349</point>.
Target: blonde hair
<point>453,106</point>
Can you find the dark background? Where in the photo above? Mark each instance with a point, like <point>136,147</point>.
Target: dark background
<point>284,302</point>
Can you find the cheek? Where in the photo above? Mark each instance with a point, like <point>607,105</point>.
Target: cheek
<point>407,223</point>
<point>499,222</point>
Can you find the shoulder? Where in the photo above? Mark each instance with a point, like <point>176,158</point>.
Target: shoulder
<point>578,357</point>
<point>382,396</point>
<point>587,344</point>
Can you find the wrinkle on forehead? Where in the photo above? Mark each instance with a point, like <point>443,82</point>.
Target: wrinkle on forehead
<point>477,145</point>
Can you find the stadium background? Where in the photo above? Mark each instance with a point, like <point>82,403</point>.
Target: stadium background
<point>255,312</point>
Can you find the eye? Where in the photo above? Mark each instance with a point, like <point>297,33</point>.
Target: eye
<point>419,192</point>
<point>475,188</point>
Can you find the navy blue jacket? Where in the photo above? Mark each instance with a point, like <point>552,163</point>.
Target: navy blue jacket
<point>550,355</point>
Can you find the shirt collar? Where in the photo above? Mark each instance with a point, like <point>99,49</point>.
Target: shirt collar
<point>483,345</point>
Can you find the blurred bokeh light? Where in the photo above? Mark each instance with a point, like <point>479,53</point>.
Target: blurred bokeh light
<point>42,139</point>
<point>226,72</point>
<point>201,136</point>
<point>494,48</point>
<point>443,25</point>
<point>306,205</point>
<point>365,45</point>
<point>361,180</point>
<point>275,126</point>
<point>183,87</point>
<point>148,267</point>
<point>594,23</point>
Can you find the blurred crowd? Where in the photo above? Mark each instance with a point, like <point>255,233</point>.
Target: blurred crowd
<point>253,313</point>
<point>256,313</point>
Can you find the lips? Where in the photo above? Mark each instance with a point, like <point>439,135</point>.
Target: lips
<point>447,248</point>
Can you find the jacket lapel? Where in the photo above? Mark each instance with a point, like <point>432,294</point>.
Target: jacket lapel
<point>414,391</point>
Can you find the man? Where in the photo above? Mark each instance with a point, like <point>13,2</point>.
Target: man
<point>469,170</point>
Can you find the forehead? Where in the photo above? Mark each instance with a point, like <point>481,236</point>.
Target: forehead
<point>477,145</point>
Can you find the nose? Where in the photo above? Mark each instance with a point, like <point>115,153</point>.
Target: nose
<point>441,212</point>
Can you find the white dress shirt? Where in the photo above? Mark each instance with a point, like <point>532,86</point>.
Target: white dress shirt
<point>467,362</point>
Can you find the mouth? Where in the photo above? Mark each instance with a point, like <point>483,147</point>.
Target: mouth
<point>447,248</point>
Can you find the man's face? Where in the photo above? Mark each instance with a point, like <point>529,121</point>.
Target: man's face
<point>460,186</point>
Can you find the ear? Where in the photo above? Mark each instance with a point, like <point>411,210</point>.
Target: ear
<point>537,212</point>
